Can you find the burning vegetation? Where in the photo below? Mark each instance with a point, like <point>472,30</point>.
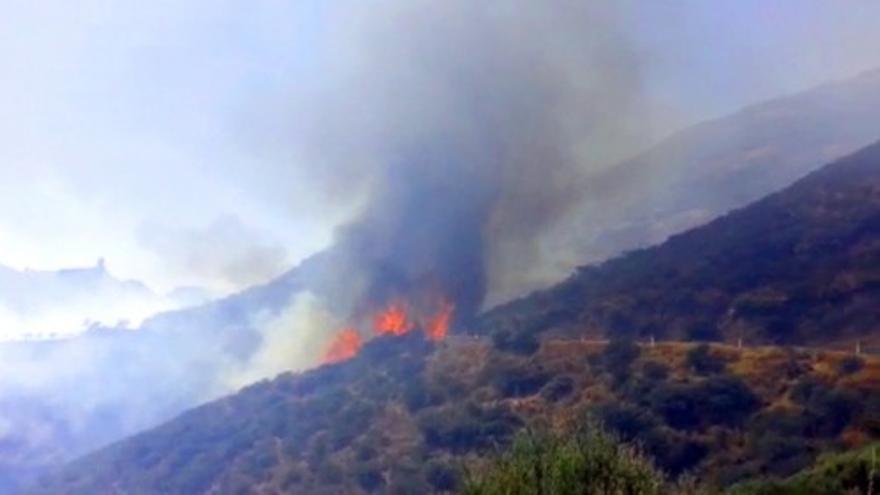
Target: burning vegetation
<point>438,325</point>
<point>396,318</point>
<point>393,320</point>
<point>344,346</point>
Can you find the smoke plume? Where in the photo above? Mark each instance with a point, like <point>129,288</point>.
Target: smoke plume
<point>466,131</point>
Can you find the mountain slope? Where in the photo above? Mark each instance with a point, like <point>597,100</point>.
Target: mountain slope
<point>797,266</point>
<point>399,419</point>
<point>708,169</point>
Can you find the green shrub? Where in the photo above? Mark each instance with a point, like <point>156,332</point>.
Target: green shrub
<point>852,472</point>
<point>587,462</point>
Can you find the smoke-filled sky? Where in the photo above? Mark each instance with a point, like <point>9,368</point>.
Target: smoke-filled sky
<point>217,143</point>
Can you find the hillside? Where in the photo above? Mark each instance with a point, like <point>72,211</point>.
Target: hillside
<point>399,418</point>
<point>796,267</point>
<point>708,169</point>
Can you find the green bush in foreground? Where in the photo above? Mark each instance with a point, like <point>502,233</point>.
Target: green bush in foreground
<point>592,462</point>
<point>587,462</point>
<point>856,473</point>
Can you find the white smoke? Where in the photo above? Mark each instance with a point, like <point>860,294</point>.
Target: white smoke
<point>294,340</point>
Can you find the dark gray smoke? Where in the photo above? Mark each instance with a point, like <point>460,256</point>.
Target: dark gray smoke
<point>467,128</point>
<point>422,232</point>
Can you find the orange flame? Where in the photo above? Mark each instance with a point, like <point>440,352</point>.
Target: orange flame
<point>438,325</point>
<point>393,320</point>
<point>345,346</point>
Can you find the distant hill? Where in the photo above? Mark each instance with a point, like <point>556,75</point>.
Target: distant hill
<point>708,169</point>
<point>62,302</point>
<point>798,267</point>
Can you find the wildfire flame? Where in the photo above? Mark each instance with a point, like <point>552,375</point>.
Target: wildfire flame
<point>393,320</point>
<point>396,320</point>
<point>345,346</point>
<point>438,326</point>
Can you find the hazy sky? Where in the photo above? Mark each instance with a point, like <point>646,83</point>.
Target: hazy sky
<point>156,134</point>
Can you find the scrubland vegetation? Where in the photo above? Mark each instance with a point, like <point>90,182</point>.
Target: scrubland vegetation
<point>406,417</point>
